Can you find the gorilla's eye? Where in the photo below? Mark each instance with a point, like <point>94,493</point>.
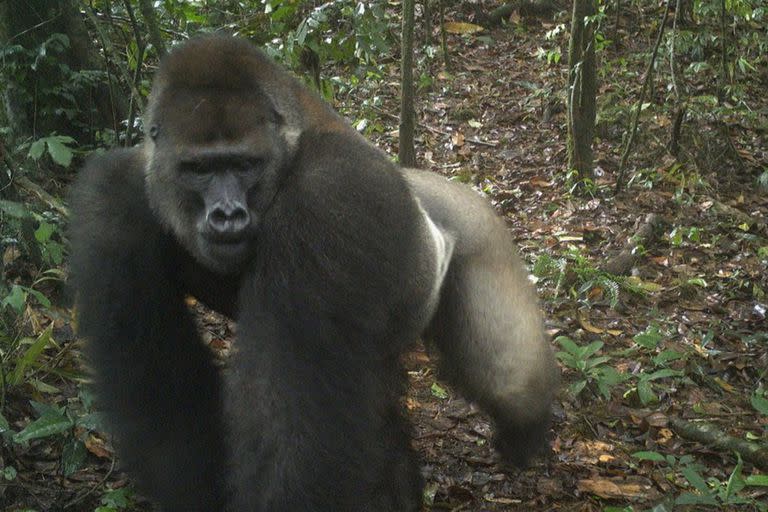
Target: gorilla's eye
<point>248,163</point>
<point>154,131</point>
<point>193,167</point>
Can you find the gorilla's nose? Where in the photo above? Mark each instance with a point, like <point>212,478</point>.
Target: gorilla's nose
<point>228,219</point>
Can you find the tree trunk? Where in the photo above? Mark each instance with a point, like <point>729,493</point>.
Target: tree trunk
<point>153,29</point>
<point>407,152</point>
<point>582,88</point>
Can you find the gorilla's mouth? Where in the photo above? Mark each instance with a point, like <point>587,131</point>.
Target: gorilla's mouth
<point>225,251</point>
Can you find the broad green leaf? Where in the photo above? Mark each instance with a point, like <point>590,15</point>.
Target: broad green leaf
<point>650,338</point>
<point>16,299</point>
<point>60,153</point>
<point>45,426</point>
<point>44,231</point>
<point>72,457</point>
<point>760,403</point>
<point>695,479</point>
<point>37,149</point>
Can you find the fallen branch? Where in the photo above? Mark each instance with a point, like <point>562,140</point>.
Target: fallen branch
<point>43,196</point>
<point>710,435</point>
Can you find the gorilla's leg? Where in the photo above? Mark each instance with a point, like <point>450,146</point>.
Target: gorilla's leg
<point>154,377</point>
<point>487,326</point>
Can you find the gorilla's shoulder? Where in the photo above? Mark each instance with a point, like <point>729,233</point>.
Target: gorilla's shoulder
<point>113,170</point>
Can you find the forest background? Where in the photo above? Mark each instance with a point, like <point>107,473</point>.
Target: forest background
<point>623,141</point>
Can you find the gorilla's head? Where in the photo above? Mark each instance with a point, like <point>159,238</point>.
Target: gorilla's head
<point>217,148</point>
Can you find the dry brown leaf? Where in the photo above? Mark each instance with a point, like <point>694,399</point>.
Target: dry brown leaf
<point>614,488</point>
<point>460,27</point>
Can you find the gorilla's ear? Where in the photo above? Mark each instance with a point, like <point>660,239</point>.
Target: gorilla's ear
<point>154,131</point>
<point>276,117</point>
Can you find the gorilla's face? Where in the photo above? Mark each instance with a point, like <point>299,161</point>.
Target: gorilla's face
<point>212,176</point>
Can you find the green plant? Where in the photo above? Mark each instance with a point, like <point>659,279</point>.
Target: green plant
<point>67,426</point>
<point>710,491</point>
<point>116,499</point>
<point>584,277</point>
<point>592,370</point>
<point>57,146</point>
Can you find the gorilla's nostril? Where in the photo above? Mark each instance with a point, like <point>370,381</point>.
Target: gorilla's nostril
<point>228,220</point>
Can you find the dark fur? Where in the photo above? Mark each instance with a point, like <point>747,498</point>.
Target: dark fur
<point>336,279</point>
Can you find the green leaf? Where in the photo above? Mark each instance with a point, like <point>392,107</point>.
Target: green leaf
<point>117,498</point>
<point>45,426</point>
<point>665,356</point>
<point>15,210</point>
<point>688,498</point>
<point>9,473</point>
<point>30,356</point>
<point>695,479</point>
<point>91,421</point>
<point>37,149</point>
<point>568,359</point>
<point>735,480</point>
<point>662,374</point>
<point>596,361</point>
<point>697,281</point>
<point>568,345</point>
<point>650,338</point>
<point>44,231</point>
<point>577,387</point>
<point>438,391</point>
<point>757,480</point>
<point>612,376</point>
<point>652,456</point>
<point>645,392</point>
<point>42,299</point>
<point>592,348</point>
<point>4,425</point>
<point>760,403</point>
<point>43,409</point>
<point>60,153</point>
<point>43,387</point>
<point>16,299</point>
<point>72,457</point>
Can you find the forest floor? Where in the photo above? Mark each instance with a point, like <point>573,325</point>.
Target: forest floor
<point>685,327</point>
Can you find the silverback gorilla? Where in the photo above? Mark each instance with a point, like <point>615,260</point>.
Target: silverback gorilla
<point>252,195</point>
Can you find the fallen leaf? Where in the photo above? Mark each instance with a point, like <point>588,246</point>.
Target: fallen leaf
<point>460,27</point>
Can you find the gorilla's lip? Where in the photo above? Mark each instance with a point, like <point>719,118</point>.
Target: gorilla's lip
<point>225,249</point>
<point>225,239</point>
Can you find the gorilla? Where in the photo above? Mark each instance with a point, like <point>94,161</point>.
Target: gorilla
<point>251,194</point>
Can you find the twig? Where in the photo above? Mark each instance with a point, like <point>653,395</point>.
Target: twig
<point>92,489</point>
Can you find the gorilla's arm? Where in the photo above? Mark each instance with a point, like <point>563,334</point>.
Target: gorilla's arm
<point>153,375</point>
<point>487,326</point>
<point>324,314</point>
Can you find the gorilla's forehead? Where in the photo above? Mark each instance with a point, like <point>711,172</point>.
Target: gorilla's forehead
<point>203,116</point>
